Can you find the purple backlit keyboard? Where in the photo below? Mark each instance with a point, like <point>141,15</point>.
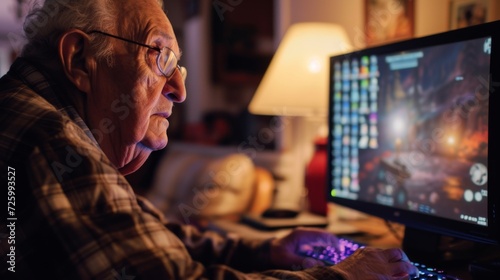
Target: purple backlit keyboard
<point>331,256</point>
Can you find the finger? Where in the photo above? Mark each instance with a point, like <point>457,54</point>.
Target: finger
<point>412,270</point>
<point>394,255</point>
<point>405,257</point>
<point>311,262</point>
<point>402,269</point>
<point>302,262</point>
<point>401,276</point>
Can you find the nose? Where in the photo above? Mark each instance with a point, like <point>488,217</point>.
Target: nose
<point>175,88</point>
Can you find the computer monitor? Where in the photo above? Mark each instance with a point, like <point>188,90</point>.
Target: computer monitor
<point>413,133</point>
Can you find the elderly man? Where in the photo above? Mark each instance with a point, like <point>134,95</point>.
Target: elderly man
<point>86,103</point>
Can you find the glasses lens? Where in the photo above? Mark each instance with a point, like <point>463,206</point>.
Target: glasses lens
<point>167,62</point>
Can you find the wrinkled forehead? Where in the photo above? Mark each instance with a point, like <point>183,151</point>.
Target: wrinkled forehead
<point>144,19</point>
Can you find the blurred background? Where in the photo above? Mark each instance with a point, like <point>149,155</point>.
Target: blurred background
<point>227,46</point>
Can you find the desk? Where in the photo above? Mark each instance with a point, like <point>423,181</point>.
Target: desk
<point>368,230</point>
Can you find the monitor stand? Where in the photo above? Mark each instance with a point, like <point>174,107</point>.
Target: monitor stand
<point>431,248</point>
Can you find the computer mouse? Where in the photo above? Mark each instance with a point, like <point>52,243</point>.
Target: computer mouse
<point>280,213</point>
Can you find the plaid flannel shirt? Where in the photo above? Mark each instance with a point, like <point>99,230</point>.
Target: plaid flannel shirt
<point>76,216</point>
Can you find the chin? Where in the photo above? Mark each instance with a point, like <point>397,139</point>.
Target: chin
<point>156,144</point>
<point>160,145</point>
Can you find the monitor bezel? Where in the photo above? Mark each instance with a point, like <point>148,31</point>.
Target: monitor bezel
<point>438,225</point>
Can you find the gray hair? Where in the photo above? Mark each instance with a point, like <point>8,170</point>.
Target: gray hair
<point>45,23</point>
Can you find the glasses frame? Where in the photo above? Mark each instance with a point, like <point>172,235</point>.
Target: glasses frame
<point>182,70</point>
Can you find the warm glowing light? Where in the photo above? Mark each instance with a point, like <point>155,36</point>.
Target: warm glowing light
<point>398,126</point>
<point>314,65</point>
<point>296,81</point>
<point>451,140</point>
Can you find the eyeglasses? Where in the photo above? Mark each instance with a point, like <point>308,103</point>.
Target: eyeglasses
<point>166,60</point>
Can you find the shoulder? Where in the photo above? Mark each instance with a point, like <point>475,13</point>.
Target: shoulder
<point>35,130</point>
<point>26,119</point>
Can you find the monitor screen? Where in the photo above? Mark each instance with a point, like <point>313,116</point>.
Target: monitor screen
<point>411,132</point>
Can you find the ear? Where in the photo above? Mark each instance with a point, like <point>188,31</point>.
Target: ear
<point>74,55</point>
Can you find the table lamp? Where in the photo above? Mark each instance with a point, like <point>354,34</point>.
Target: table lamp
<point>296,81</point>
<point>296,84</point>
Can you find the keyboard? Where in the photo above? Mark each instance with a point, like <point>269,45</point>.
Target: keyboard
<point>331,256</point>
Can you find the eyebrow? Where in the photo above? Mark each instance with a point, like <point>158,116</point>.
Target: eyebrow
<point>167,37</point>
<point>163,34</point>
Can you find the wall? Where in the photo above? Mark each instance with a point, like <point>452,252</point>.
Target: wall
<point>196,59</point>
<point>5,60</point>
<point>10,30</point>
<point>431,16</point>
<point>348,13</point>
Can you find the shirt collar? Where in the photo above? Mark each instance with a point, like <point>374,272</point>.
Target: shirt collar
<point>42,83</point>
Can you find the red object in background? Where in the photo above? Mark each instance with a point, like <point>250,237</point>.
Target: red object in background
<point>316,178</point>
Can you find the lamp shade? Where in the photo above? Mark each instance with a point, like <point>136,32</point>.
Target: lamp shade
<point>296,81</point>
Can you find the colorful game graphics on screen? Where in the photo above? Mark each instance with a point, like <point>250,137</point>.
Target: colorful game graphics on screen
<point>410,129</point>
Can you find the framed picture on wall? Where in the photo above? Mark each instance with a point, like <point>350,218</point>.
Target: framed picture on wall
<point>388,20</point>
<point>465,13</point>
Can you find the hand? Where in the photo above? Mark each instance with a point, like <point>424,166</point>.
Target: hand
<point>373,263</point>
<point>284,250</point>
<point>365,263</point>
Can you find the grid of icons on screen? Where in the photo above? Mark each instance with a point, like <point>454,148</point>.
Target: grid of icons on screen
<point>354,119</point>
